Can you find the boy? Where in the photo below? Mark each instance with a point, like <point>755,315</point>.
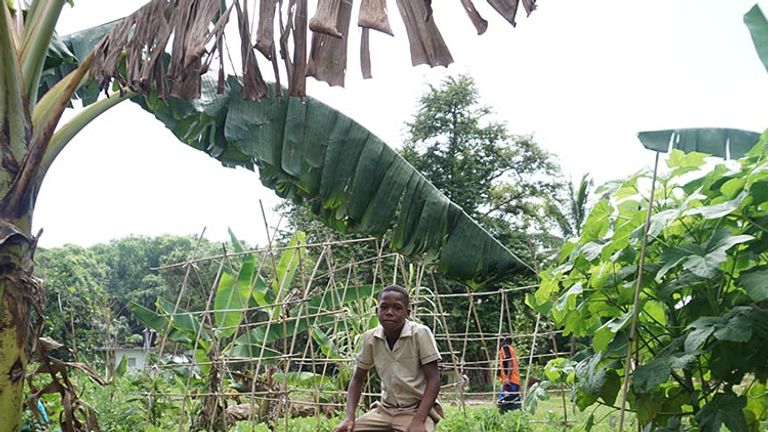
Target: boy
<point>405,357</point>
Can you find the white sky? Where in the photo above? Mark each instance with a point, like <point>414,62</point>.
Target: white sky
<point>583,77</point>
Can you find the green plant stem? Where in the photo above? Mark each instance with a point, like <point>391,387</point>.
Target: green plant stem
<point>65,133</point>
<point>12,106</point>
<point>35,46</point>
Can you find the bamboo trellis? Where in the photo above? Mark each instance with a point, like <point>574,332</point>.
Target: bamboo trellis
<point>266,389</point>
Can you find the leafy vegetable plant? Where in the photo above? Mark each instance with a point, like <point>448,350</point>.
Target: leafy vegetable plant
<point>701,350</point>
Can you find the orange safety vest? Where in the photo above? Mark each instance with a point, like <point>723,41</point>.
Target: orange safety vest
<point>508,365</point>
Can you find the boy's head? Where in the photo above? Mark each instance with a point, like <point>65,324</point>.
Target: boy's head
<point>393,308</point>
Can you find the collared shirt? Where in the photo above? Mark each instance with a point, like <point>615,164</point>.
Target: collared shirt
<point>400,368</point>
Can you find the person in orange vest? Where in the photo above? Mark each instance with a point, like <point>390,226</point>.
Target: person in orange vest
<point>510,375</point>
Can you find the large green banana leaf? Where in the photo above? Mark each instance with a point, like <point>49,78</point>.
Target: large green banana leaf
<point>720,142</point>
<point>758,29</point>
<point>316,156</point>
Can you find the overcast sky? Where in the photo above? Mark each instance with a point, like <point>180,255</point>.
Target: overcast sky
<point>582,77</point>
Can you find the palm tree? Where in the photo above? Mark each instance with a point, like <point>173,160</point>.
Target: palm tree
<point>347,176</point>
<point>572,219</point>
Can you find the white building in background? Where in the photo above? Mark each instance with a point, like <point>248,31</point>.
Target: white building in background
<point>136,358</point>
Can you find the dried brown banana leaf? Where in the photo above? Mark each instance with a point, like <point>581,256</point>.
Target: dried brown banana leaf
<point>530,6</point>
<point>426,42</point>
<point>373,15</point>
<point>254,86</point>
<point>325,18</point>
<point>298,85</point>
<point>365,54</point>
<point>328,57</point>
<point>265,33</point>
<point>507,9</point>
<point>479,22</point>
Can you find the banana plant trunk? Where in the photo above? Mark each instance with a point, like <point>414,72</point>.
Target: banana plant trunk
<point>19,296</point>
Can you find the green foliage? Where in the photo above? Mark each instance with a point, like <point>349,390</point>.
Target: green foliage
<point>485,419</point>
<point>702,333</point>
<point>475,161</point>
<point>75,298</point>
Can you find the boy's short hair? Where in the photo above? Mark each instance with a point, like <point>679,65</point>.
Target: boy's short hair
<point>398,289</point>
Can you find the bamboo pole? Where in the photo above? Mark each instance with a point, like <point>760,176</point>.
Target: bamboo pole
<point>636,302</point>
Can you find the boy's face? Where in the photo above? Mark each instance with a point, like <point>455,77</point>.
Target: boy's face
<point>392,311</point>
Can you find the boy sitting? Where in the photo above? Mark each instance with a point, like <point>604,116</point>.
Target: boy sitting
<point>405,356</point>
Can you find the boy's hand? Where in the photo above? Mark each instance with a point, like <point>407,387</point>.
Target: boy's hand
<point>416,426</point>
<point>348,425</point>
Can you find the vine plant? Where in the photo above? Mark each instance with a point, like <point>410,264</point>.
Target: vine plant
<point>701,350</point>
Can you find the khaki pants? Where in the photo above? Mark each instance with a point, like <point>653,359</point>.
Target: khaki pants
<point>382,419</point>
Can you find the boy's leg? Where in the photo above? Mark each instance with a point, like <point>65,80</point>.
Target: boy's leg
<point>377,419</point>
<point>402,419</point>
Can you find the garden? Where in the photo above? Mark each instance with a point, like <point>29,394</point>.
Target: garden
<point>639,303</point>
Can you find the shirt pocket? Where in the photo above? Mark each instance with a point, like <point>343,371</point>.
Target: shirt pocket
<point>408,366</point>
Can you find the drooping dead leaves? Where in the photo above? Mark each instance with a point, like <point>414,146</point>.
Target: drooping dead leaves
<point>136,56</point>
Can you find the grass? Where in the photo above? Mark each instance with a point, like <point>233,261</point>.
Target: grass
<point>486,418</point>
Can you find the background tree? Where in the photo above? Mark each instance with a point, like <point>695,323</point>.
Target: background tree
<point>499,179</point>
<point>76,305</point>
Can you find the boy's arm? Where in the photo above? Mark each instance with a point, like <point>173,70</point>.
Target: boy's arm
<point>430,392</point>
<point>354,392</point>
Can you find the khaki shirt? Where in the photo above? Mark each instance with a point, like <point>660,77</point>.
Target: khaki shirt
<point>402,379</point>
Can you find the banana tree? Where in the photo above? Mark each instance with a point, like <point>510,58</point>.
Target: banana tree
<point>158,55</point>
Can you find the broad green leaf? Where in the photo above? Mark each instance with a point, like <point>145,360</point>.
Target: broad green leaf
<point>714,141</point>
<point>151,319</point>
<point>655,311</point>
<point>597,223</point>
<point>717,211</point>
<point>317,157</point>
<point>592,250</point>
<point>758,29</point>
<point>682,162</point>
<point>604,335</point>
<point>699,335</point>
<point>327,347</point>
<point>648,406</point>
<point>232,297</point>
<point>725,409</point>
<point>237,246</point>
<point>755,282</point>
<point>262,293</point>
<point>592,378</point>
<point>702,260</point>
<point>122,367</point>
<point>183,321</point>
<point>649,376</point>
<point>611,387</point>
<point>757,404</point>
<point>538,392</point>
<point>733,187</point>
<point>737,329</point>
<point>289,262</point>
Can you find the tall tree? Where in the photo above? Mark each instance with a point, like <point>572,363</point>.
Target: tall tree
<point>501,180</point>
<point>131,62</point>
